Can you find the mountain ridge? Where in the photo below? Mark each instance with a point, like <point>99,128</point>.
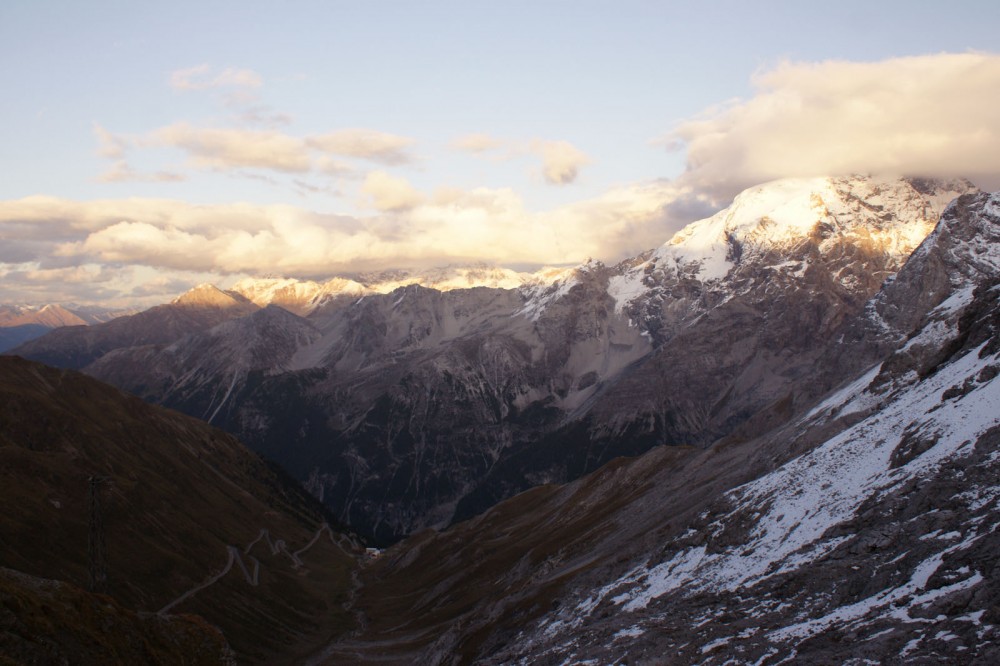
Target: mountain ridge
<point>472,395</point>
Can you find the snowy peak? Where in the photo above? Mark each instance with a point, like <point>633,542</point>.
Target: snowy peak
<point>303,297</point>
<point>894,214</point>
<point>298,296</point>
<point>51,316</point>
<point>858,229</point>
<point>961,252</point>
<point>448,278</point>
<point>210,296</point>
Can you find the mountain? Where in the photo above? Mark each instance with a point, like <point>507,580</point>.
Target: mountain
<point>421,407</point>
<point>192,522</point>
<point>863,530</point>
<point>51,316</point>
<point>305,297</point>
<point>77,346</point>
<point>14,336</point>
<point>806,386</point>
<point>21,323</point>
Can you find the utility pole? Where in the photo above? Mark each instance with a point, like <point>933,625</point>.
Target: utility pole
<point>97,551</point>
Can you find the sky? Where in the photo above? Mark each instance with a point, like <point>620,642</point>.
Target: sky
<point>148,147</point>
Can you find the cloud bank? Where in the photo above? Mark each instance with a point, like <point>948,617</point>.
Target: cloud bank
<point>933,115</point>
<point>409,229</point>
<point>920,116</point>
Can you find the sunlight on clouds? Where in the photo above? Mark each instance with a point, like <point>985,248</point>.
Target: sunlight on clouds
<point>122,172</point>
<point>929,115</point>
<point>199,77</point>
<point>233,148</point>
<point>367,144</point>
<point>455,225</point>
<point>561,161</point>
<point>476,143</point>
<point>71,274</point>
<point>389,193</point>
<point>109,145</point>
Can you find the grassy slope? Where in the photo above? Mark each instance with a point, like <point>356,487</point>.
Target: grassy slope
<point>180,493</point>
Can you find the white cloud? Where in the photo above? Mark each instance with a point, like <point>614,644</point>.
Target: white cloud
<point>200,77</point>
<point>454,225</point>
<point>933,115</point>
<point>122,172</point>
<point>109,145</point>
<point>561,161</point>
<point>367,144</point>
<point>237,148</point>
<point>390,193</point>
<point>476,143</point>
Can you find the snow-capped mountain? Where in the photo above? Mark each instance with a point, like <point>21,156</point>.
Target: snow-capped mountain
<point>51,316</point>
<point>864,529</point>
<point>305,297</point>
<point>875,543</point>
<point>421,406</point>
<point>21,323</point>
<point>76,347</point>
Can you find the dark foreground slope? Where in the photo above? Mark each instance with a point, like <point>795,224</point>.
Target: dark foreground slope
<point>183,502</point>
<point>53,622</point>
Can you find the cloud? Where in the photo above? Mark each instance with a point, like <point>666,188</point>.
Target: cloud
<point>389,193</point>
<point>408,230</point>
<point>237,148</point>
<point>70,274</point>
<point>261,115</point>
<point>561,161</point>
<point>476,143</point>
<point>933,115</point>
<point>367,144</point>
<point>109,145</point>
<point>122,172</point>
<point>200,77</point>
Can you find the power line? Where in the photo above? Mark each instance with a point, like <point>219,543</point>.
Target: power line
<point>97,551</point>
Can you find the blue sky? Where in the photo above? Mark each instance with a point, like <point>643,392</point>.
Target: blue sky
<point>137,136</point>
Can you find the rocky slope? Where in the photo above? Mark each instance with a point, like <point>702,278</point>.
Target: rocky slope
<point>21,323</point>
<point>864,529</point>
<point>419,407</point>
<point>193,523</point>
<point>197,310</point>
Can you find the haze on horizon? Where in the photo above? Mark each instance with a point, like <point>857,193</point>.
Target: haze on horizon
<point>147,149</point>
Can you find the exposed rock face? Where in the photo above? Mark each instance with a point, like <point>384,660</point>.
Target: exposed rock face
<point>418,407</point>
<point>879,542</point>
<point>51,316</point>
<point>77,346</point>
<point>21,323</point>
<point>864,529</point>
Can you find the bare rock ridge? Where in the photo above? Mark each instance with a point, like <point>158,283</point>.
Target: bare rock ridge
<point>419,407</point>
<point>863,529</point>
<point>21,323</point>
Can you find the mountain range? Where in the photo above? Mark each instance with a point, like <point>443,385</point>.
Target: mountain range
<point>772,439</point>
<point>20,323</point>
<point>419,407</point>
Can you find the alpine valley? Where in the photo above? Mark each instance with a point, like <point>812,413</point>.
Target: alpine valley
<point>773,439</point>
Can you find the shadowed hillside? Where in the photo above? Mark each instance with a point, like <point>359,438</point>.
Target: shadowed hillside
<point>182,503</point>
